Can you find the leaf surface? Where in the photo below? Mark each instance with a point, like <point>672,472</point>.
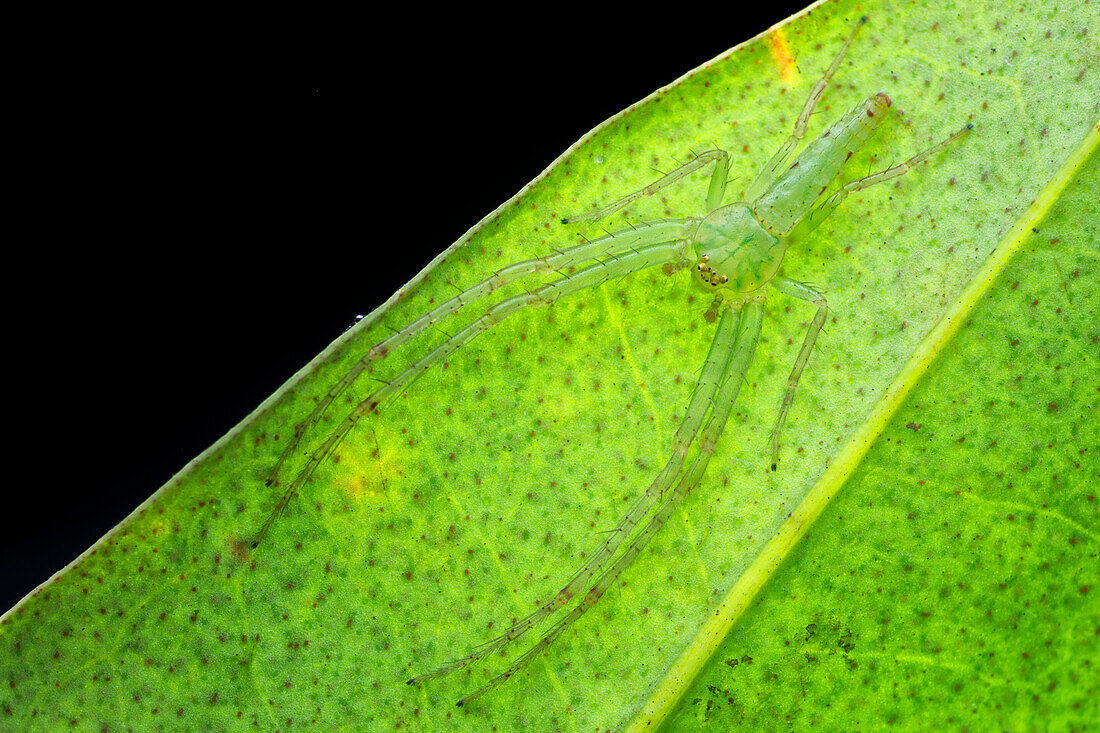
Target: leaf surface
<point>474,494</point>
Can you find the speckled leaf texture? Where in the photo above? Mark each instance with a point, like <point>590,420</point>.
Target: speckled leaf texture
<point>951,582</point>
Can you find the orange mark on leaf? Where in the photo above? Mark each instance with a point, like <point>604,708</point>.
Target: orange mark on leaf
<point>781,55</point>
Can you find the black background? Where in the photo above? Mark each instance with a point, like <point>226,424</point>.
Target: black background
<point>203,206</point>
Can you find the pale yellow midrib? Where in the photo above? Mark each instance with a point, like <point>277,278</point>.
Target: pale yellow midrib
<point>715,629</point>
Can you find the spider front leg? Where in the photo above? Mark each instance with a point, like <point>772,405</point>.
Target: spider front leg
<point>560,261</point>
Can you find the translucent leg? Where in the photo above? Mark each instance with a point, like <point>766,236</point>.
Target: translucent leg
<point>715,192</point>
<point>779,161</point>
<point>802,292</point>
<point>702,397</point>
<point>823,211</point>
<point>747,336</point>
<point>643,234</point>
<point>590,276</point>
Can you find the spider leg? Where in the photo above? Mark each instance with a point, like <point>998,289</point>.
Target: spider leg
<point>640,235</point>
<point>748,333</point>
<point>621,264</point>
<point>715,192</point>
<point>802,292</point>
<point>702,397</point>
<point>824,210</point>
<point>782,157</point>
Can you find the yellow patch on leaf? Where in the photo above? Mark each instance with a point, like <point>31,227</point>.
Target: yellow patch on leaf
<point>781,54</point>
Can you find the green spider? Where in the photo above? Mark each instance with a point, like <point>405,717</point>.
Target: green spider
<point>735,251</point>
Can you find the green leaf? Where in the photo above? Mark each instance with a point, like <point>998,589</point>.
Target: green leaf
<point>964,540</point>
